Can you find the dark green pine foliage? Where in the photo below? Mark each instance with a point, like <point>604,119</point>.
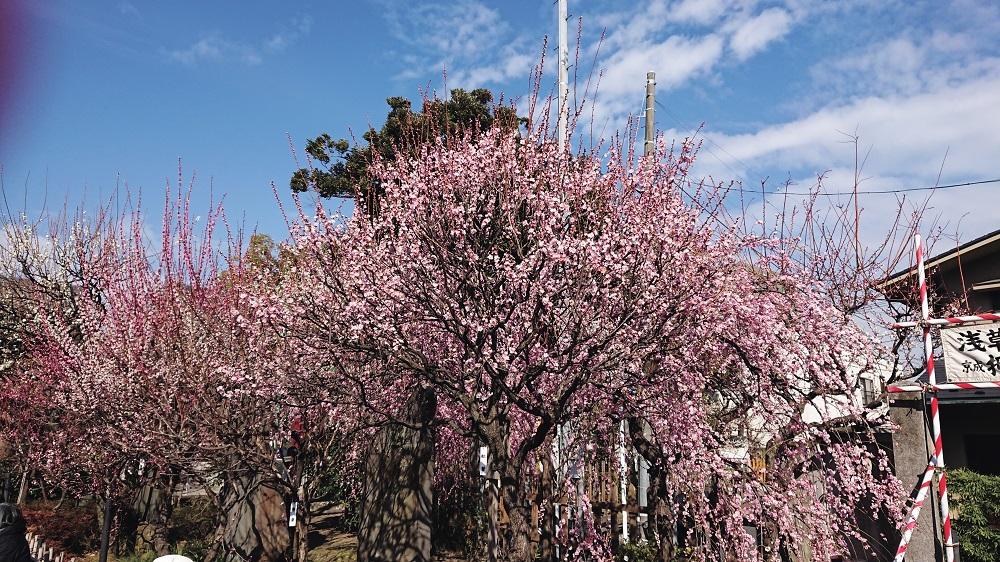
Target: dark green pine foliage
<point>341,169</point>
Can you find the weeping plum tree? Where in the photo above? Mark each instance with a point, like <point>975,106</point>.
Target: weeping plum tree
<point>530,290</point>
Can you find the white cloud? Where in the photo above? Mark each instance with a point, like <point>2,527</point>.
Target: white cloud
<point>477,47</point>
<point>904,140</point>
<point>754,35</point>
<point>513,64</point>
<point>448,30</point>
<point>904,65</point>
<point>908,133</point>
<point>638,26</point>
<point>467,39</point>
<point>128,9</point>
<point>683,42</point>
<point>675,60</point>
<point>701,12</point>
<point>213,47</point>
<point>299,28</point>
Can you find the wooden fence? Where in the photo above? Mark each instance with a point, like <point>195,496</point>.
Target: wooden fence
<point>606,483</point>
<point>42,552</point>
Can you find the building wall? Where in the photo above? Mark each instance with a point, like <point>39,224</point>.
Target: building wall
<point>978,270</point>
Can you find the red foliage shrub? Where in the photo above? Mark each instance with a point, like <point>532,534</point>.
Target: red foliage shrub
<point>73,529</point>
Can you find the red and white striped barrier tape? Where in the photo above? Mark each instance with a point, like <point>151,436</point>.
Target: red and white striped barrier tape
<point>943,386</point>
<point>954,320</point>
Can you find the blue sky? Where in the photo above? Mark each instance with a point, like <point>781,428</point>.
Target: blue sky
<point>121,89</point>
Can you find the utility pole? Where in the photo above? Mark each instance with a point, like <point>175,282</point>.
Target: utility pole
<point>650,104</point>
<point>563,74</point>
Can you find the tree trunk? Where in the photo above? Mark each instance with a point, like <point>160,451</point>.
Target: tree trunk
<point>516,545</point>
<point>546,542</point>
<point>106,531</point>
<point>397,504</point>
<point>253,524</point>
<point>492,518</point>
<point>160,520</point>
<point>519,547</point>
<point>661,523</point>
<point>302,519</point>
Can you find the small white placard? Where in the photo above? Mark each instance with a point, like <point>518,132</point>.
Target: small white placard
<point>484,455</point>
<point>293,513</point>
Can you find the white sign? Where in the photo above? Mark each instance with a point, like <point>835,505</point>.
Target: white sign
<point>972,353</point>
<point>293,514</point>
<point>484,453</point>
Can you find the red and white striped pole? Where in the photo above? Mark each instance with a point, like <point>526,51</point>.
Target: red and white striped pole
<point>949,547</point>
<point>918,502</point>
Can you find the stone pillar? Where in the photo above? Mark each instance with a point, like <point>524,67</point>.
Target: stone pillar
<point>911,448</point>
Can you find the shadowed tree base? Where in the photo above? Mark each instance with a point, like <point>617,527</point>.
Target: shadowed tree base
<point>396,509</point>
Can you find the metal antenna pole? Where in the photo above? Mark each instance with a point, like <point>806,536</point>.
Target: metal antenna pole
<point>563,74</point>
<point>650,104</point>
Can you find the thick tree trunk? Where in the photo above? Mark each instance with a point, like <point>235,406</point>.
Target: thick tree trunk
<point>397,505</point>
<point>546,544</point>
<point>302,520</point>
<point>159,521</point>
<point>661,522</point>
<point>253,523</point>
<point>519,545</point>
<point>106,531</point>
<point>516,545</point>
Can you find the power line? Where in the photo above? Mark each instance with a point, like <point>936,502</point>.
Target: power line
<point>865,191</point>
<point>882,191</point>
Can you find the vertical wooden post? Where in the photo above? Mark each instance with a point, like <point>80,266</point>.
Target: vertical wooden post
<point>622,482</point>
<point>22,494</point>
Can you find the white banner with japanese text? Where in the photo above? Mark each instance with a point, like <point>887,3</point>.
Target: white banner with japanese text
<point>972,353</point>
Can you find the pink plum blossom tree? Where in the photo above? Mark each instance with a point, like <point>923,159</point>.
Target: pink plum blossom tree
<point>532,291</point>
